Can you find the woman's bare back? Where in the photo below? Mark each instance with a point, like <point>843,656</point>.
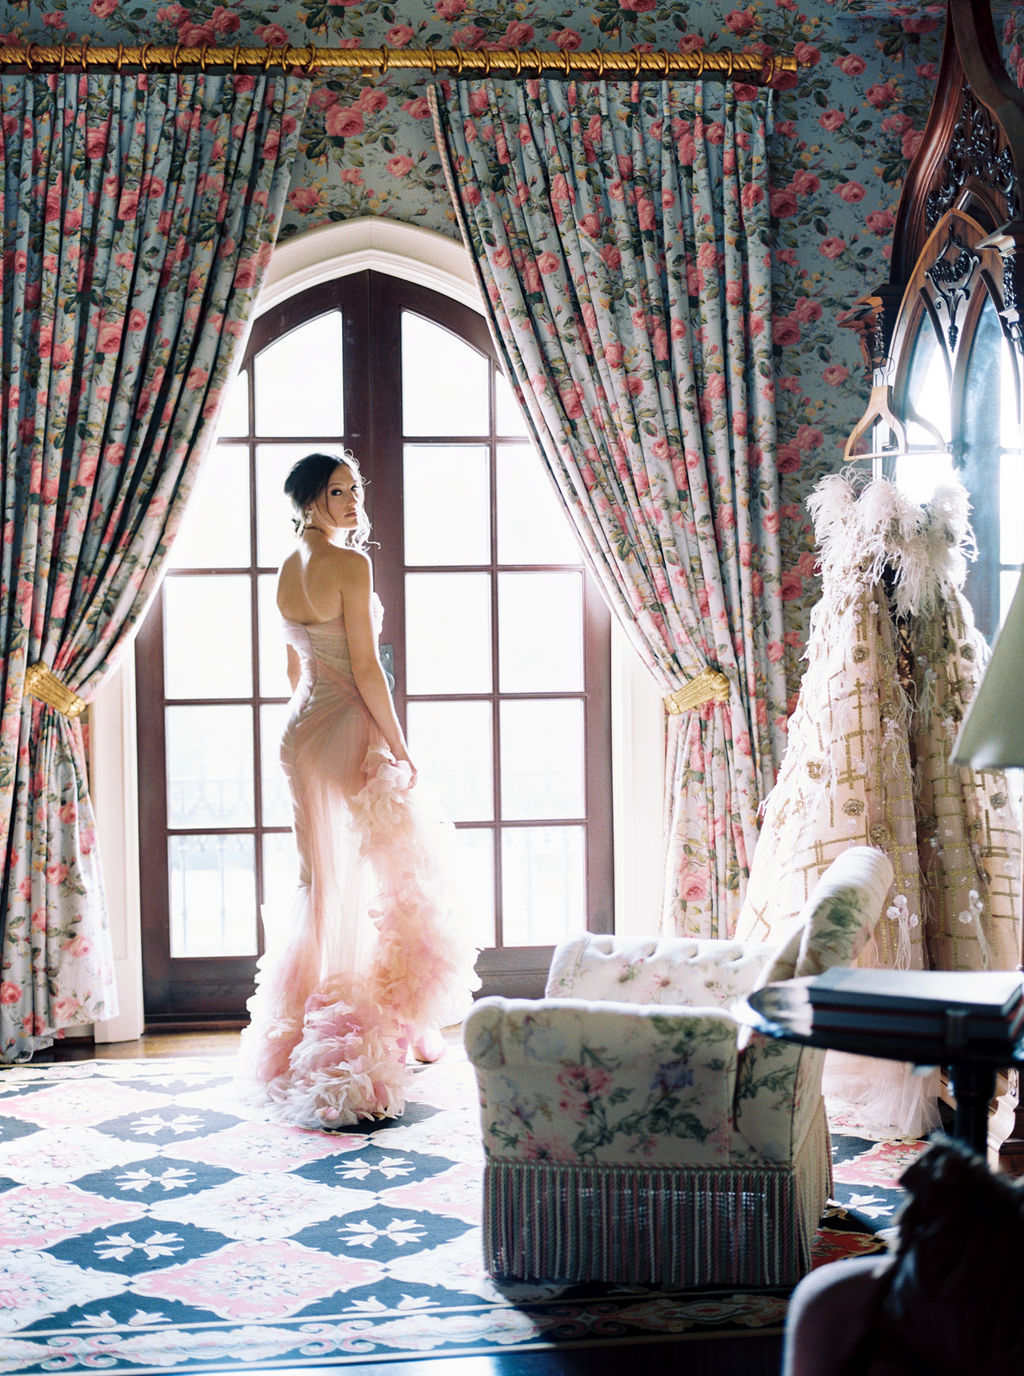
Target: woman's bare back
<point>310,583</point>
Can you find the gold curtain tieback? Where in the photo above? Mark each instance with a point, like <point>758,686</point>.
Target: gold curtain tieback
<point>710,685</point>
<point>42,683</point>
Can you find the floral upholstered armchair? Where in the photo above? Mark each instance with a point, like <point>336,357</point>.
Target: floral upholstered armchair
<point>634,1131</point>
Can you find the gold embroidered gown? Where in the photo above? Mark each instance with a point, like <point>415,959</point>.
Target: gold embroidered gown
<point>893,659</point>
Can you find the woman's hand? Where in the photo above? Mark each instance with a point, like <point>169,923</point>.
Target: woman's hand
<point>384,756</point>
<point>403,758</point>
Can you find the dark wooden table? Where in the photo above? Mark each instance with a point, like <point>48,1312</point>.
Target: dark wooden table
<point>785,1010</point>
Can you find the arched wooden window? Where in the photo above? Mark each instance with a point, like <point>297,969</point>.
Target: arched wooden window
<point>497,639</point>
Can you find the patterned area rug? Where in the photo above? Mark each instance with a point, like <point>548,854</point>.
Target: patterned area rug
<point>151,1222</point>
<point>866,1195</point>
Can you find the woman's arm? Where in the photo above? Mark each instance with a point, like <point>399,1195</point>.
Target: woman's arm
<point>357,591</point>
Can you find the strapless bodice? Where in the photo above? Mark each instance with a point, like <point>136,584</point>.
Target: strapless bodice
<point>320,643</point>
<point>325,643</point>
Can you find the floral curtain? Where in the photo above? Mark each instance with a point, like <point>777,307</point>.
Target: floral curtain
<point>138,212</point>
<point>621,233</point>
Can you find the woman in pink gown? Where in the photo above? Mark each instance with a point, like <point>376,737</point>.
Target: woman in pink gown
<point>371,965</point>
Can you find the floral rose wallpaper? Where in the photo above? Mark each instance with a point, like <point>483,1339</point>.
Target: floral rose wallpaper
<point>844,134</point>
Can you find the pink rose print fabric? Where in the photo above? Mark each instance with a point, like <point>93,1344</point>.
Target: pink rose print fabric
<point>622,235</point>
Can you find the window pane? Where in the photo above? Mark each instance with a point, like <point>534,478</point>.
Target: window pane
<point>989,421</point>
<point>918,475</point>
<point>208,637</point>
<point>540,632</point>
<point>447,505</point>
<point>209,767</point>
<point>533,528</point>
<point>509,419</point>
<point>444,381</point>
<point>474,847</point>
<point>213,896</point>
<point>298,381</point>
<point>215,531</point>
<point>273,654</point>
<point>542,759</point>
<point>277,801</point>
<point>451,744</point>
<point>275,532</point>
<point>1009,418</point>
<point>233,418</point>
<point>1011,504</point>
<point>280,877</point>
<point>928,386</point>
<point>448,632</point>
<point>543,884</point>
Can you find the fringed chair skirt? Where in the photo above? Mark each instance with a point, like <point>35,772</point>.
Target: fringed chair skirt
<point>673,1226</point>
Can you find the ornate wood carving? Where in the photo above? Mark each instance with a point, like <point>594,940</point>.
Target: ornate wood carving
<point>971,157</point>
<point>951,275</point>
<point>873,317</point>
<point>978,153</point>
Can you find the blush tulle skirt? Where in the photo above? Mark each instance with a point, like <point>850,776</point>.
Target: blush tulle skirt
<point>374,952</point>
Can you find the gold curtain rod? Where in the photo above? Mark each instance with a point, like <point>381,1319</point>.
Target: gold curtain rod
<point>749,67</point>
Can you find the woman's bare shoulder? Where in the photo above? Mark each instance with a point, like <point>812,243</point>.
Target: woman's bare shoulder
<point>351,565</point>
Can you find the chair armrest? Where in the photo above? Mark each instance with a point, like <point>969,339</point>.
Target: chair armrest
<point>610,1083</point>
<point>835,921</point>
<point>673,970</point>
<point>778,1093</point>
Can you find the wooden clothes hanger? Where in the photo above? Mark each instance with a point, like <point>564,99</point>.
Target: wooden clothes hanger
<point>879,410</point>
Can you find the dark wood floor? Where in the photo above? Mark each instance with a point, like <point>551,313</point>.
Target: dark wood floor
<point>157,1044</point>
<point>753,1356</point>
<point>685,1356</point>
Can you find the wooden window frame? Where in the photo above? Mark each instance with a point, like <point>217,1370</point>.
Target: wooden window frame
<point>205,990</point>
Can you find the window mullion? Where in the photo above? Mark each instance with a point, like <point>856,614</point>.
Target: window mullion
<point>496,743</point>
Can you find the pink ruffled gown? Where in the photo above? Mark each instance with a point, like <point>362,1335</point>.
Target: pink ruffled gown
<point>372,954</point>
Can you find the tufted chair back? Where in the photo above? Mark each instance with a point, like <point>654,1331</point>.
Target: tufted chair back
<point>701,974</point>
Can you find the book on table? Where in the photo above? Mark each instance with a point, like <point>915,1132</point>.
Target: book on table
<point>988,1003</point>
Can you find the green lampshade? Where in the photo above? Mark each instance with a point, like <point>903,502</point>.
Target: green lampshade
<point>992,733</point>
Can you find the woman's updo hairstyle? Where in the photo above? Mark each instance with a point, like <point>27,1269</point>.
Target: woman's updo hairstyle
<point>308,481</point>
